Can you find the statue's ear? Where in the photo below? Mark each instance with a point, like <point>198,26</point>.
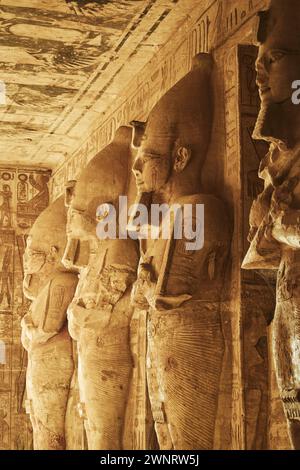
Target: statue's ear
<point>52,255</point>
<point>137,133</point>
<point>28,241</point>
<point>182,158</point>
<point>69,192</point>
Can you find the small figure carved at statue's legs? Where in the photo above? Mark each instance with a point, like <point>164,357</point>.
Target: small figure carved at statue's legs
<point>4,431</point>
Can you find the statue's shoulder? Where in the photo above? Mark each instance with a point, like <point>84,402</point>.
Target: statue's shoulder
<point>211,201</point>
<point>215,214</point>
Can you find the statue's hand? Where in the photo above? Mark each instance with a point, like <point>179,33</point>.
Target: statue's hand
<point>32,335</point>
<point>143,289</point>
<point>282,198</point>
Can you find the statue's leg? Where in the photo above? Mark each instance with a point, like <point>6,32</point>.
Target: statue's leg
<point>286,348</point>
<point>50,369</point>
<point>105,367</point>
<point>294,430</point>
<point>74,424</point>
<point>186,350</point>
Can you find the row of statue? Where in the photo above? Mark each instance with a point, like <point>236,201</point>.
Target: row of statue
<point>124,337</point>
<point>80,332</point>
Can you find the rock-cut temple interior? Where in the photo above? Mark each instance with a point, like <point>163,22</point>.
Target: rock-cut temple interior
<point>150,225</point>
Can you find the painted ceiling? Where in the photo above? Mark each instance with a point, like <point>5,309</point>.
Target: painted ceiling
<point>61,64</point>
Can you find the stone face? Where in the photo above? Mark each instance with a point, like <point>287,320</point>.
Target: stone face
<point>275,213</point>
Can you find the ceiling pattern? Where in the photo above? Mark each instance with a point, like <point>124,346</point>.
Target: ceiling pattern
<point>62,64</point>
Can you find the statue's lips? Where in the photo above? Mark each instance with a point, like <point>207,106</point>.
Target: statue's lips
<point>140,183</point>
<point>264,89</point>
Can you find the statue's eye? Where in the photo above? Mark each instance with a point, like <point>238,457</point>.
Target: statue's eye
<point>276,56</point>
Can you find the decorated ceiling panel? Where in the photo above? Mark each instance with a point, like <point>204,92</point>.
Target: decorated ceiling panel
<point>58,58</point>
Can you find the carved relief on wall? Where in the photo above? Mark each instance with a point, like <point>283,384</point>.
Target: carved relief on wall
<point>16,193</point>
<point>32,196</point>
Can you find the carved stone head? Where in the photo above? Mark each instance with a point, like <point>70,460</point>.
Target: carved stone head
<point>103,180</point>
<point>177,134</point>
<point>278,66</point>
<point>45,247</point>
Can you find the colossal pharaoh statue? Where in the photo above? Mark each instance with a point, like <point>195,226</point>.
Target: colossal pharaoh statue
<point>275,215</point>
<point>100,314</point>
<point>44,329</point>
<point>180,287</point>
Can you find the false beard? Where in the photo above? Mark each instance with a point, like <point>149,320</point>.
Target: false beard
<point>278,123</point>
<point>271,125</point>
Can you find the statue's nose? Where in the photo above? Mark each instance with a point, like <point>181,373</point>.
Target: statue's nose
<point>136,169</point>
<point>262,77</point>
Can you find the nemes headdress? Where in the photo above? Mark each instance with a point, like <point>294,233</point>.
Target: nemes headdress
<point>49,229</point>
<point>184,114</point>
<point>282,20</point>
<point>106,176</point>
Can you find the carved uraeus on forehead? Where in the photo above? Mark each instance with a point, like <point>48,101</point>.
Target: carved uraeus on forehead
<point>138,132</point>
